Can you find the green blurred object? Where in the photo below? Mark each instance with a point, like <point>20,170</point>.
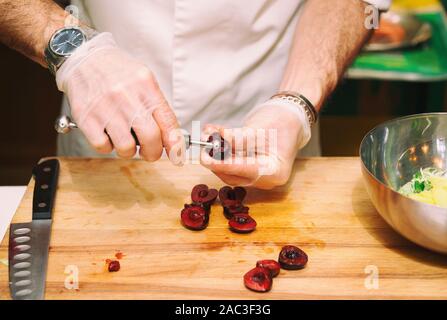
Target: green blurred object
<point>419,78</point>
<point>427,62</point>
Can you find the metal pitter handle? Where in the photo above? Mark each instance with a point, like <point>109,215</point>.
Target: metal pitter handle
<point>64,124</point>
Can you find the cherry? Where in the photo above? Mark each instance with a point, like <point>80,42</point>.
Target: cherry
<point>258,279</point>
<point>232,207</point>
<point>114,266</point>
<point>201,194</point>
<point>194,217</point>
<point>242,223</point>
<point>221,148</point>
<point>273,266</point>
<point>229,193</point>
<point>292,258</point>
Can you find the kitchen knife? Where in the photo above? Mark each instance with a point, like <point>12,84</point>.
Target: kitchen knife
<point>29,242</point>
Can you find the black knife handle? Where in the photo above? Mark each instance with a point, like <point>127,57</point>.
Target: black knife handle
<point>45,174</point>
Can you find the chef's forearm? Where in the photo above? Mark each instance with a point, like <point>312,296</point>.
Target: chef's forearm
<point>328,36</point>
<point>27,25</point>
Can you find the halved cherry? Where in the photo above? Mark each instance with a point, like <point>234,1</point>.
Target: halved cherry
<point>232,207</point>
<point>221,148</point>
<point>258,279</point>
<point>203,195</point>
<point>292,258</point>
<point>205,207</point>
<point>273,266</point>
<point>229,193</point>
<point>242,223</point>
<point>194,217</point>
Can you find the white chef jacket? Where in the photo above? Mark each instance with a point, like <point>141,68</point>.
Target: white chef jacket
<point>214,59</point>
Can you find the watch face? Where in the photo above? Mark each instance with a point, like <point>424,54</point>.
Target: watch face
<point>66,41</point>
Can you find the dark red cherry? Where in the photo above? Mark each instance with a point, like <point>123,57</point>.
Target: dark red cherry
<point>258,279</point>
<point>232,207</point>
<point>242,223</point>
<point>273,266</point>
<point>203,195</point>
<point>194,217</point>
<point>114,266</point>
<point>292,258</point>
<point>229,193</point>
<point>221,148</point>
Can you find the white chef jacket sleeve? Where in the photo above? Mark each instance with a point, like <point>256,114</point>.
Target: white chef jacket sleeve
<point>382,5</point>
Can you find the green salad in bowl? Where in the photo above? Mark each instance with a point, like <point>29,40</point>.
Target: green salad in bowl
<point>429,185</point>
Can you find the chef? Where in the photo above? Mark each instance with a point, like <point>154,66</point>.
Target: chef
<point>155,66</point>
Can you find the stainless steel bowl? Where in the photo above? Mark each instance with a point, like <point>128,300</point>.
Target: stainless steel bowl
<point>391,153</point>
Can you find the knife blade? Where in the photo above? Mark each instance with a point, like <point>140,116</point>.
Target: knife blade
<point>29,242</point>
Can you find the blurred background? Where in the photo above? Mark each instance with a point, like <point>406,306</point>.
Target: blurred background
<point>380,85</point>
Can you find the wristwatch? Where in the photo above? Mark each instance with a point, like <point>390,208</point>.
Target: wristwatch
<point>63,43</point>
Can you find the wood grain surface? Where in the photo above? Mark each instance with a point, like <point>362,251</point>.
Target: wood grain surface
<point>107,206</point>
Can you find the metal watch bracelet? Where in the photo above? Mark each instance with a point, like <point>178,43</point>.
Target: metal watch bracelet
<point>54,61</point>
<point>301,101</point>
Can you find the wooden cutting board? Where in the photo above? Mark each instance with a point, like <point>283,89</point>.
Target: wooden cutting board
<point>108,206</point>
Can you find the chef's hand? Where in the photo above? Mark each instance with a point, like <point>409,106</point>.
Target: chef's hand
<point>264,150</point>
<point>110,91</point>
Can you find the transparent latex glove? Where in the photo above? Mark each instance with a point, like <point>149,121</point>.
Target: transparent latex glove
<point>111,92</point>
<point>264,149</point>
